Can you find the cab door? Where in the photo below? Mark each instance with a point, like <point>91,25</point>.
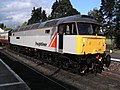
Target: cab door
<point>60,36</point>
<point>65,32</point>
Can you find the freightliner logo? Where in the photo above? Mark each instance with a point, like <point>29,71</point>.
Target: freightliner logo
<point>40,44</point>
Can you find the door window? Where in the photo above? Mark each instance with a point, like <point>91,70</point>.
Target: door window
<point>67,28</point>
<point>61,29</point>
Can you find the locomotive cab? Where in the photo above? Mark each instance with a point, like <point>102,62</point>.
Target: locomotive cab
<point>65,31</point>
<point>92,39</point>
<point>85,40</point>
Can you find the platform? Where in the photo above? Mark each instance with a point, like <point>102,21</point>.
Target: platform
<point>9,80</point>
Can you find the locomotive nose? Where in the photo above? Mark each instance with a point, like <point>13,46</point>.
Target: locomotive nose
<point>92,45</point>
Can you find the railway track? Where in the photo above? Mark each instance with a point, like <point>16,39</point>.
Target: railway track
<point>34,79</point>
<point>110,76</point>
<point>107,80</point>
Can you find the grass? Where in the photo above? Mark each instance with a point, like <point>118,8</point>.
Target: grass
<point>116,51</point>
<point>108,42</point>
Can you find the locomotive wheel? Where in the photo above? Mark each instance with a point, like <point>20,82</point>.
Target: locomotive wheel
<point>65,64</point>
<point>75,68</point>
<point>97,68</point>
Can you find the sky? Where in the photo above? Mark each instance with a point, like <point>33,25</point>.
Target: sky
<point>15,12</point>
<point>84,6</point>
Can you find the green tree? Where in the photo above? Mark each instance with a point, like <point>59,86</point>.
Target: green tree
<point>7,29</point>
<point>95,13</point>
<point>117,15</point>
<point>117,24</point>
<point>62,8</point>
<point>2,26</point>
<point>38,15</point>
<point>53,13</point>
<point>107,11</point>
<point>44,16</point>
<point>24,24</point>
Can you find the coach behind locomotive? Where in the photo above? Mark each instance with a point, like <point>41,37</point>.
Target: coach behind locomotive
<point>4,38</point>
<point>72,42</point>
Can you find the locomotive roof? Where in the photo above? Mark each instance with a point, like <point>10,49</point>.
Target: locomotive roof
<point>55,22</point>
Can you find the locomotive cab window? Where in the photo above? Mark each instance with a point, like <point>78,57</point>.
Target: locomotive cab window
<point>89,29</point>
<point>70,29</point>
<point>98,30</point>
<point>67,28</point>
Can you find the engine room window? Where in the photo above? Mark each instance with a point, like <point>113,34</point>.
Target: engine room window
<point>17,37</point>
<point>47,31</point>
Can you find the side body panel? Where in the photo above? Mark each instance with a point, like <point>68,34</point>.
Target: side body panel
<point>37,39</point>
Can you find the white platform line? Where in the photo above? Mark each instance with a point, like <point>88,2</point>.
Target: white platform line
<point>114,59</point>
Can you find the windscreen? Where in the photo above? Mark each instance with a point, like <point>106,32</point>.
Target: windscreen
<point>89,29</point>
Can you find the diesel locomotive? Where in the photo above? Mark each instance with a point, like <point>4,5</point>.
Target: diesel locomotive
<point>74,42</point>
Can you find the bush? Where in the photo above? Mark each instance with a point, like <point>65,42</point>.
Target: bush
<point>117,41</point>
